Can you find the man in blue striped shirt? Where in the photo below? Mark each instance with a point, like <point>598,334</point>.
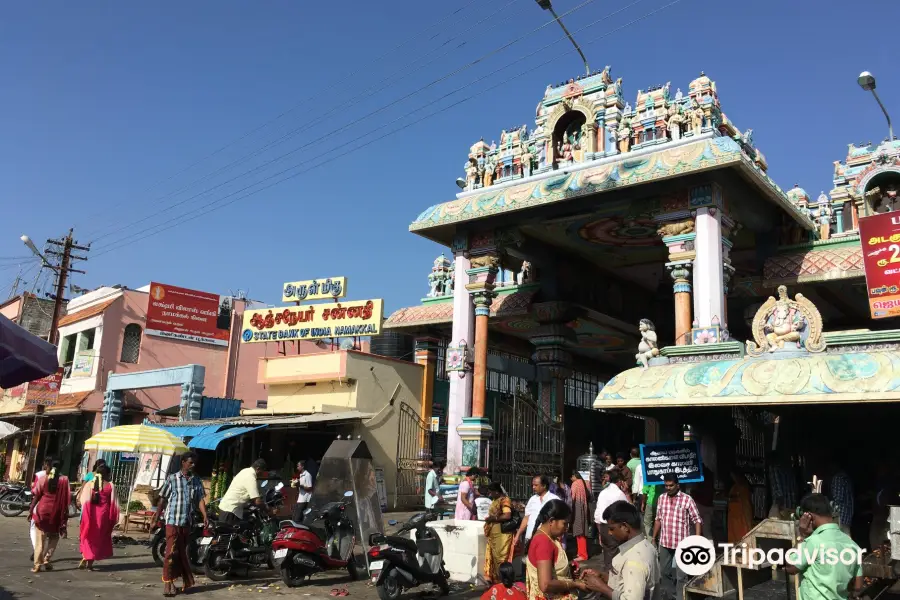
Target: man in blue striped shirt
<point>180,496</point>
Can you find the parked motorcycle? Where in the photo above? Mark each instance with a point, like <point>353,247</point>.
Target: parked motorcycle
<point>397,562</point>
<point>248,545</point>
<point>15,500</point>
<point>300,550</point>
<point>158,541</point>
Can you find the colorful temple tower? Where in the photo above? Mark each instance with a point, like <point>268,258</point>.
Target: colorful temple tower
<point>609,242</point>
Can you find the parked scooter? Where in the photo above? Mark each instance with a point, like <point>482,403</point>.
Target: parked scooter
<point>300,550</point>
<point>397,563</point>
<point>248,545</point>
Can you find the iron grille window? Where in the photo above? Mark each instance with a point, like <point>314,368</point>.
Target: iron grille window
<point>441,373</point>
<point>131,343</point>
<point>504,382</point>
<point>582,389</point>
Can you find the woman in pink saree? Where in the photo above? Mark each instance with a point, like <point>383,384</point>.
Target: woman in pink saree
<point>50,512</point>
<point>99,515</point>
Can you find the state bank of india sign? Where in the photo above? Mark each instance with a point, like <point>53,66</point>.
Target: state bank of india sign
<point>313,321</point>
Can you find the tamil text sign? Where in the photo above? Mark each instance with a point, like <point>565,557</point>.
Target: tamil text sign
<point>316,289</point>
<point>188,315</point>
<point>313,321</point>
<point>880,239</point>
<point>680,458</point>
<point>44,391</point>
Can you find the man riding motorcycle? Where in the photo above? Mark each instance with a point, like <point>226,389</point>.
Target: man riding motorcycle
<point>243,489</point>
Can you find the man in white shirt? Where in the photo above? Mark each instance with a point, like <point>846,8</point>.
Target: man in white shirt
<point>611,493</point>
<point>244,488</point>
<point>540,485</point>
<point>304,486</point>
<point>637,484</point>
<point>433,486</point>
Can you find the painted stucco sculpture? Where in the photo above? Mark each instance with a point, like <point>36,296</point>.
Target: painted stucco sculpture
<point>783,323</point>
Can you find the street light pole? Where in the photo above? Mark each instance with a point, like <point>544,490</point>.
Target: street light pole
<point>867,82</point>
<point>546,5</point>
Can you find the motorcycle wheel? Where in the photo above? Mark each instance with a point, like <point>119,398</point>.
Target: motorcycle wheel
<point>292,575</point>
<point>212,570</point>
<point>355,570</point>
<point>11,505</point>
<point>444,585</point>
<point>193,554</point>
<point>389,588</point>
<point>158,548</point>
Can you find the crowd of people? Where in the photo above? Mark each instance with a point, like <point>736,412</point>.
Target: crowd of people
<point>637,526</point>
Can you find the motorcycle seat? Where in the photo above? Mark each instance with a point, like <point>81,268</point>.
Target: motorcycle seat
<point>222,528</point>
<point>402,542</point>
<point>290,523</point>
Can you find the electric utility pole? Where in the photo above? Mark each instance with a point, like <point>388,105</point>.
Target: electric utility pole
<point>63,253</point>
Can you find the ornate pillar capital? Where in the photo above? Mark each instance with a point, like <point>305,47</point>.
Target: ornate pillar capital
<point>680,272</point>
<point>482,281</point>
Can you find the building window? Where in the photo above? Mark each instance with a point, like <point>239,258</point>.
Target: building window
<point>262,404</point>
<point>131,343</point>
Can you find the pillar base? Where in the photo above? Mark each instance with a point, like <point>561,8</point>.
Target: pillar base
<point>474,433</point>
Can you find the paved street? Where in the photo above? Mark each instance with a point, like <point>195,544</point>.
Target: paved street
<point>132,574</point>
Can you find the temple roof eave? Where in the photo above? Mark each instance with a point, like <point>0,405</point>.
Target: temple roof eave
<point>851,376</point>
<point>438,222</point>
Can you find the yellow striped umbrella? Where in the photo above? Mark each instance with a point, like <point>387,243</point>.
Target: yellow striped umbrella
<point>136,438</point>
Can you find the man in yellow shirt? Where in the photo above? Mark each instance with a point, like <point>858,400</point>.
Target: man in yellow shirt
<point>243,489</point>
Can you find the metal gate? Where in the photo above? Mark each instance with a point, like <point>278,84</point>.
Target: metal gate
<point>526,442</point>
<point>413,458</point>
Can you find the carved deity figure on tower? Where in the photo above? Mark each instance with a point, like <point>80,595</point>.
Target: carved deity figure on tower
<point>624,135</point>
<point>471,175</point>
<point>565,151</point>
<point>697,119</point>
<point>524,276</point>
<point>489,169</point>
<point>527,159</point>
<point>647,348</point>
<point>675,122</point>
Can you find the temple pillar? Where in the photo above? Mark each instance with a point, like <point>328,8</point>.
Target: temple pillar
<point>475,430</point>
<point>839,218</point>
<point>191,400</point>
<point>681,285</point>
<point>709,288</point>
<point>551,356</point>
<point>111,414</point>
<point>459,371</point>
<point>680,266</point>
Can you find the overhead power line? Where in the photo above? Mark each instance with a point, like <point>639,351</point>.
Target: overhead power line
<point>349,103</point>
<point>320,93</point>
<point>206,209</point>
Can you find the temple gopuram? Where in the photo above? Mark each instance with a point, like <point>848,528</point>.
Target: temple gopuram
<point>627,271</point>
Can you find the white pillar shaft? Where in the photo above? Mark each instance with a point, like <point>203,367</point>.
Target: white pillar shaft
<point>460,402</point>
<point>709,288</point>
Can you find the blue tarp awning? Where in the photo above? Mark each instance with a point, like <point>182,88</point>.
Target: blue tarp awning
<point>211,440</point>
<point>23,356</point>
<point>189,431</point>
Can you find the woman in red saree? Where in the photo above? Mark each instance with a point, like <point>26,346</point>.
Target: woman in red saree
<point>50,511</point>
<point>99,514</point>
<point>581,516</point>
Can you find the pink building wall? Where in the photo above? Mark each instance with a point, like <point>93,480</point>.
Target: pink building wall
<point>230,371</point>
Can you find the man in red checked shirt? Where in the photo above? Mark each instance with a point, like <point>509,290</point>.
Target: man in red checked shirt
<point>675,513</point>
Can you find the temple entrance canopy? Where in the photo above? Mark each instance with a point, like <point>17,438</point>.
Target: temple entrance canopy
<point>603,216</point>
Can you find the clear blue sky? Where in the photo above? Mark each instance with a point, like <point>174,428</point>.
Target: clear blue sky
<point>103,102</point>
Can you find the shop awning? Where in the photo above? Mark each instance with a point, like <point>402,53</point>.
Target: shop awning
<point>212,439</point>
<point>23,356</point>
<point>192,430</point>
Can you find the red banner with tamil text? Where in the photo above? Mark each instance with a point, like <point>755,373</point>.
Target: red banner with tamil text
<point>189,315</point>
<point>880,239</point>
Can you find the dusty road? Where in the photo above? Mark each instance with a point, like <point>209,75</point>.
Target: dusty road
<point>132,575</point>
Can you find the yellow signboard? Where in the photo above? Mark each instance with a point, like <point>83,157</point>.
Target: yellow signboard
<point>313,321</point>
<point>316,289</point>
